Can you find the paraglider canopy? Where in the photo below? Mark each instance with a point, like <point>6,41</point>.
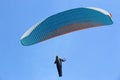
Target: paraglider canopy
<point>65,22</point>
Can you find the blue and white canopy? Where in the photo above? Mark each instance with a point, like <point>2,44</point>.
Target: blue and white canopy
<point>65,22</point>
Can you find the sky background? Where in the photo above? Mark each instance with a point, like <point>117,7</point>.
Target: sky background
<point>92,54</point>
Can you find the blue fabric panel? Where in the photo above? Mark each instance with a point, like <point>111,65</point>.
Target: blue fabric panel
<point>60,20</point>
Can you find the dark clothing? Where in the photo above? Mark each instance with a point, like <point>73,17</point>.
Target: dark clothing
<point>58,63</point>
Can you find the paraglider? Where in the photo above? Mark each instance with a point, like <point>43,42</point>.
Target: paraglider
<point>58,63</point>
<point>65,22</point>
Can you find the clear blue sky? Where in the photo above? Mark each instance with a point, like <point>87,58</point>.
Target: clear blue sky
<point>92,54</point>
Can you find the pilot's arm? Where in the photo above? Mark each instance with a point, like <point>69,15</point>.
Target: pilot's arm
<point>63,60</point>
<point>55,62</point>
